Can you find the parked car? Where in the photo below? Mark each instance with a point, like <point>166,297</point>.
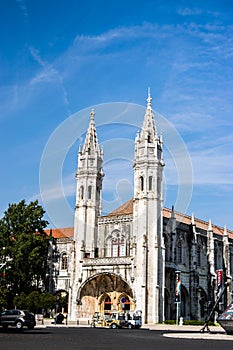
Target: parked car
<point>17,318</point>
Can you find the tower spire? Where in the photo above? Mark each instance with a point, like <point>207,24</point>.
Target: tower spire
<point>91,140</point>
<point>149,131</point>
<point>148,170</point>
<point>92,115</point>
<point>149,99</point>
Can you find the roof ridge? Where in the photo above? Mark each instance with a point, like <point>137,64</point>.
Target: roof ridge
<point>127,209</point>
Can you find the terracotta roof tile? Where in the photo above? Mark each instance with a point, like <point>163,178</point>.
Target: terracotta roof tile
<point>201,224</point>
<point>61,232</point>
<point>127,209</point>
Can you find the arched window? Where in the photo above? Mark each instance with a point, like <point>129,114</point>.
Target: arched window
<point>167,248</point>
<point>98,193</point>
<point>107,303</point>
<point>231,263</point>
<point>125,303</point>
<point>64,261</point>
<point>118,246</point>
<point>81,192</point>
<point>89,192</point>
<point>218,255</point>
<point>150,183</point>
<point>179,253</point>
<point>198,256</point>
<point>141,183</point>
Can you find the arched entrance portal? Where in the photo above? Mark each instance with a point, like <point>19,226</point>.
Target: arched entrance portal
<point>105,292</point>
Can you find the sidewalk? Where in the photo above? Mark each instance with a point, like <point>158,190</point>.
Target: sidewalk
<point>183,328</point>
<point>190,332</point>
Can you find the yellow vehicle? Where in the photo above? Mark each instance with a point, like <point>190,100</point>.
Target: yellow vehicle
<point>98,320</point>
<point>111,320</point>
<point>115,319</point>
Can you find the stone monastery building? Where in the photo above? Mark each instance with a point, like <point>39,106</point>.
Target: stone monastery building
<point>129,259</point>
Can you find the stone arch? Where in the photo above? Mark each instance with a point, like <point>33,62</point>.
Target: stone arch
<point>185,307</point>
<point>126,305</point>
<point>167,244</point>
<point>167,304</point>
<point>81,192</point>
<point>93,292</point>
<point>202,303</point>
<point>104,302</point>
<point>64,261</point>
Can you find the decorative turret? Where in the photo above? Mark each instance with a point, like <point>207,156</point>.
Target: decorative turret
<point>148,157</point>
<point>226,252</point>
<point>193,220</point>
<point>147,214</point>
<point>89,178</point>
<point>210,249</point>
<point>227,263</point>
<point>149,132</point>
<point>91,141</point>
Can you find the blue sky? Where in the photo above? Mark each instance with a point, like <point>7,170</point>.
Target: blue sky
<point>62,57</point>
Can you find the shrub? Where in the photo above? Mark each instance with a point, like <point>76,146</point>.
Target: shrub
<point>189,322</point>
<point>170,322</point>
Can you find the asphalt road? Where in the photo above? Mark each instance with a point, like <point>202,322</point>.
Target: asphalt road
<point>109,339</point>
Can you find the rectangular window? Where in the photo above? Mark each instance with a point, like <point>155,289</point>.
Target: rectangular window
<point>122,249</point>
<point>199,256</point>
<point>179,253</point>
<point>115,250</point>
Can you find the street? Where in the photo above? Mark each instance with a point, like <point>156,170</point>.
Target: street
<point>109,339</point>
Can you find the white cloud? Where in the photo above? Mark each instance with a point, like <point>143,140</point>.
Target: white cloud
<point>48,74</point>
<point>212,169</point>
<point>23,7</point>
<point>86,43</point>
<point>54,193</point>
<point>189,11</point>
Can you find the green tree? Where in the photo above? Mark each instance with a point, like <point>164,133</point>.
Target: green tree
<point>24,245</point>
<point>35,302</point>
<point>47,301</point>
<point>20,301</point>
<point>3,297</point>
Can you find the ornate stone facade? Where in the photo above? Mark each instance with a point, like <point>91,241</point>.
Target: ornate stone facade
<point>129,258</point>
